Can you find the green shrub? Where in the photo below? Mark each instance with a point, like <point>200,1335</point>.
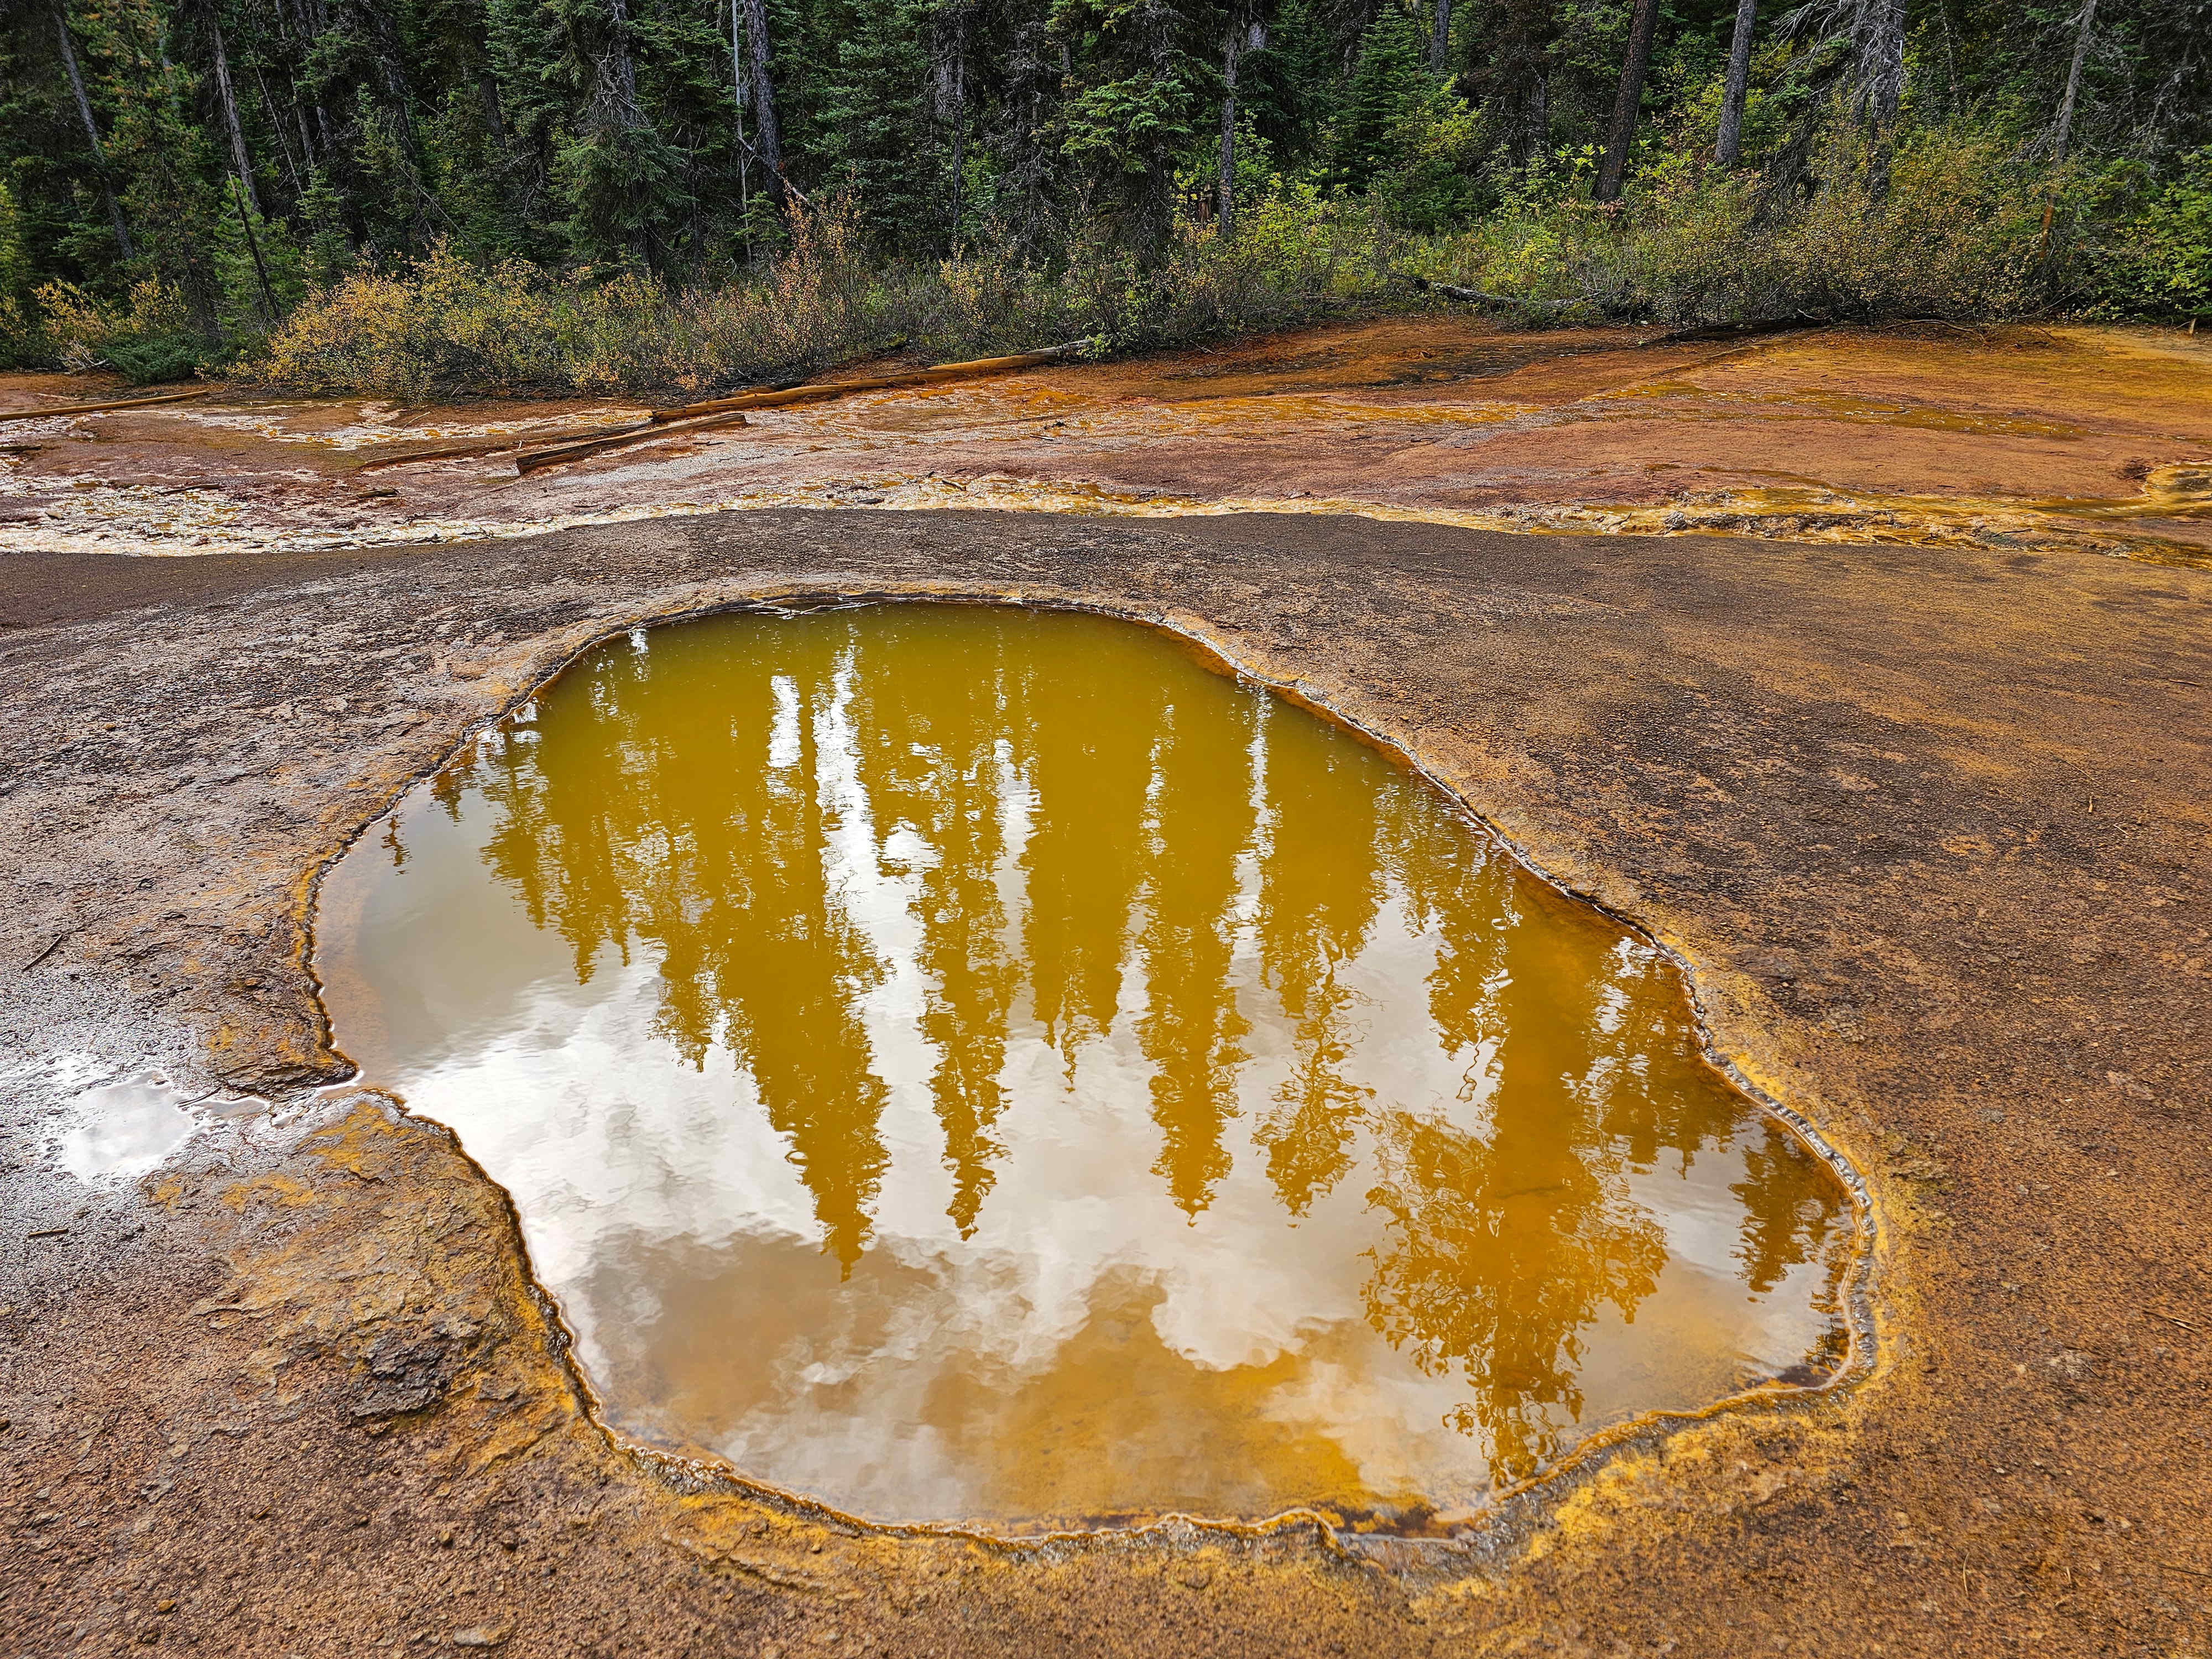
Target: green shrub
<point>1955,234</point>
<point>147,337</point>
<point>2155,259</point>
<point>444,321</point>
<point>1965,227</point>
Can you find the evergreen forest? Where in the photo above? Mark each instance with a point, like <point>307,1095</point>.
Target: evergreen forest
<point>686,193</point>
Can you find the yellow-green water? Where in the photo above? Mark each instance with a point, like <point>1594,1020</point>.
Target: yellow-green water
<point>978,1065</point>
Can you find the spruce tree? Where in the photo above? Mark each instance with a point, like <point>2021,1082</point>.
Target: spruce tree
<point>1389,80</point>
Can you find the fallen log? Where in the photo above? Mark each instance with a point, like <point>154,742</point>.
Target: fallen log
<point>497,445</point>
<point>536,461</point>
<point>730,412</point>
<point>113,403</point>
<point>1476,296</point>
<point>1701,333</point>
<point>826,390</point>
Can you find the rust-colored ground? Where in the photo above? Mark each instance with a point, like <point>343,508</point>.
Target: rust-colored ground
<point>1932,824</point>
<point>1929,433</point>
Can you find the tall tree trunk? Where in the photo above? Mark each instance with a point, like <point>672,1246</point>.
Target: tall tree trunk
<point>1879,32</point>
<point>959,127</point>
<point>1728,148</point>
<point>1226,213</point>
<point>293,16</point>
<point>737,80</point>
<point>949,66</point>
<point>230,119</point>
<point>627,112</point>
<point>276,126</point>
<point>92,132</point>
<point>2073,82</point>
<point>1154,216</point>
<point>261,270</point>
<point>770,144</point>
<point>488,95</point>
<point>1440,38</point>
<point>1950,53</point>
<point>618,74</point>
<point>1629,101</point>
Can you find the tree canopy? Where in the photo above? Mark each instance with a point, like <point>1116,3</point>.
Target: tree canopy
<point>240,154</point>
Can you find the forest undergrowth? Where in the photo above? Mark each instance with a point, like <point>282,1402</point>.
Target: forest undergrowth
<point>640,196</point>
<point>1961,234</point>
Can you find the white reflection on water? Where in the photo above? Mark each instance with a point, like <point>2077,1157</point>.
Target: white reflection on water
<point>121,1130</point>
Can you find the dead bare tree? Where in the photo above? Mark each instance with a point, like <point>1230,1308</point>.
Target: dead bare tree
<point>1878,71</point>
<point>1614,167</point>
<point>951,68</point>
<point>92,132</point>
<point>1245,34</point>
<point>1728,146</point>
<point>2065,126</point>
<point>229,101</point>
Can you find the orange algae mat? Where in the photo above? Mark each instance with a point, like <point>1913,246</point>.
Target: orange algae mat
<point>979,1065</point>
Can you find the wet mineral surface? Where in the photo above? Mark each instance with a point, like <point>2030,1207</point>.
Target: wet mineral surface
<point>1928,825</point>
<point>1933,434</point>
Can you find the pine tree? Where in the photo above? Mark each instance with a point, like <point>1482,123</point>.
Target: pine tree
<point>1133,98</point>
<point>873,130</point>
<point>1389,80</point>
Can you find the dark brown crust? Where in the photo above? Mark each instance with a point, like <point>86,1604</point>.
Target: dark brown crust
<point>1853,788</point>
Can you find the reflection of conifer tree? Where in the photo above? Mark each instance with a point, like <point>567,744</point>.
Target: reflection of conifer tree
<point>568,828</point>
<point>1502,1250</point>
<point>791,971</point>
<point>1466,897</point>
<point>1191,1027</point>
<point>648,808</point>
<point>1320,886</point>
<point>1655,1090</point>
<point>932,766</point>
<point>1789,1202</point>
<point>1504,1247</point>
<point>1087,746</point>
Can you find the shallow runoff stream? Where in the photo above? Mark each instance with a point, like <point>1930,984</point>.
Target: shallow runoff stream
<point>980,1066</point>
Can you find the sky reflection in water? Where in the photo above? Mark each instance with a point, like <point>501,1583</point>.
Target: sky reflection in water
<point>979,1065</point>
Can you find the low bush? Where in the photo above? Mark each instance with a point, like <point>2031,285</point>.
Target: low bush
<point>147,337</point>
<point>2154,256</point>
<point>1954,233</point>
<point>446,322</point>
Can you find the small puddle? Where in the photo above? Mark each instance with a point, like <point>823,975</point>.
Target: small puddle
<point>983,1066</point>
<point>121,1130</point>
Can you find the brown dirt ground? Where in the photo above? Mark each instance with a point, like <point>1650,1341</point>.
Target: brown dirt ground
<point>1933,827</point>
